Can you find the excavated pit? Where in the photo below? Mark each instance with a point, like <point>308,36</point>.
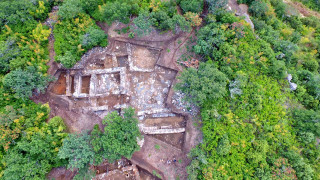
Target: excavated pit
<point>119,76</point>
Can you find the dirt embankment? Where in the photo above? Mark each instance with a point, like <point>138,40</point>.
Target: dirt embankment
<point>303,10</point>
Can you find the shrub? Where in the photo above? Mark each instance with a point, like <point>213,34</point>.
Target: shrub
<point>23,82</point>
<point>70,9</point>
<point>193,18</point>
<point>77,151</point>
<point>8,51</point>
<point>278,69</point>
<point>118,11</point>
<point>142,24</point>
<point>215,5</point>
<point>200,85</point>
<point>195,6</point>
<point>67,60</point>
<point>93,37</point>
<point>258,8</point>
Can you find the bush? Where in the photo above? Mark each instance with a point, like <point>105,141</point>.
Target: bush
<point>195,6</point>
<point>142,24</point>
<point>68,60</point>
<point>118,11</point>
<point>215,5</point>
<point>8,51</point>
<point>23,82</point>
<point>278,69</point>
<point>200,85</point>
<point>70,9</point>
<point>93,37</point>
<point>78,157</point>
<point>258,8</point>
<point>306,121</point>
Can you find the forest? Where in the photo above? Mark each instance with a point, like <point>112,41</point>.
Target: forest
<point>258,90</point>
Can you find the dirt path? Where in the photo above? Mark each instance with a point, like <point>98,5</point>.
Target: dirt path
<point>302,9</point>
<point>53,66</point>
<point>167,160</point>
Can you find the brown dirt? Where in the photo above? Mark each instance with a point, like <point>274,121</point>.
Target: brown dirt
<point>85,86</point>
<point>122,61</point>
<point>145,175</point>
<point>108,62</point>
<point>175,122</point>
<point>61,174</point>
<point>60,85</point>
<point>105,166</point>
<point>302,8</point>
<point>143,57</point>
<point>110,101</point>
<point>149,157</point>
<point>77,120</point>
<point>176,139</point>
<point>120,48</point>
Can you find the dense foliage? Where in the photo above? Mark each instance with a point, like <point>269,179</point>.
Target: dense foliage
<point>28,144</point>
<point>312,4</point>
<point>262,129</point>
<point>75,33</point>
<point>119,139</point>
<point>255,124</point>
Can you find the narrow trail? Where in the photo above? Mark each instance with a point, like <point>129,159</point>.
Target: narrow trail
<point>305,11</point>
<point>183,42</point>
<point>53,66</point>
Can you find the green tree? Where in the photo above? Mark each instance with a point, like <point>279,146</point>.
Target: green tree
<point>23,82</point>
<point>142,24</point>
<point>120,135</point>
<point>36,153</point>
<point>77,150</point>
<point>70,9</point>
<point>118,11</point>
<point>202,84</point>
<point>8,52</point>
<point>258,8</point>
<point>210,38</point>
<point>195,6</point>
<point>215,5</point>
<point>178,23</point>
<point>67,60</point>
<point>93,37</point>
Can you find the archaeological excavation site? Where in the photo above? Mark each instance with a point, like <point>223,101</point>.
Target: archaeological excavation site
<point>129,73</point>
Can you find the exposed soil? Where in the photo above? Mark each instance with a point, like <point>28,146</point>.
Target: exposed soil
<point>61,174</point>
<point>176,121</point>
<point>144,58</point>
<point>157,53</point>
<point>60,85</point>
<point>176,139</point>
<point>305,11</point>
<point>145,175</point>
<point>106,166</point>
<point>85,86</point>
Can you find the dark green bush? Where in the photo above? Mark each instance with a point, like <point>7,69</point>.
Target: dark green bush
<point>195,6</point>
<point>258,8</point>
<point>23,82</point>
<point>93,37</point>
<point>205,83</point>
